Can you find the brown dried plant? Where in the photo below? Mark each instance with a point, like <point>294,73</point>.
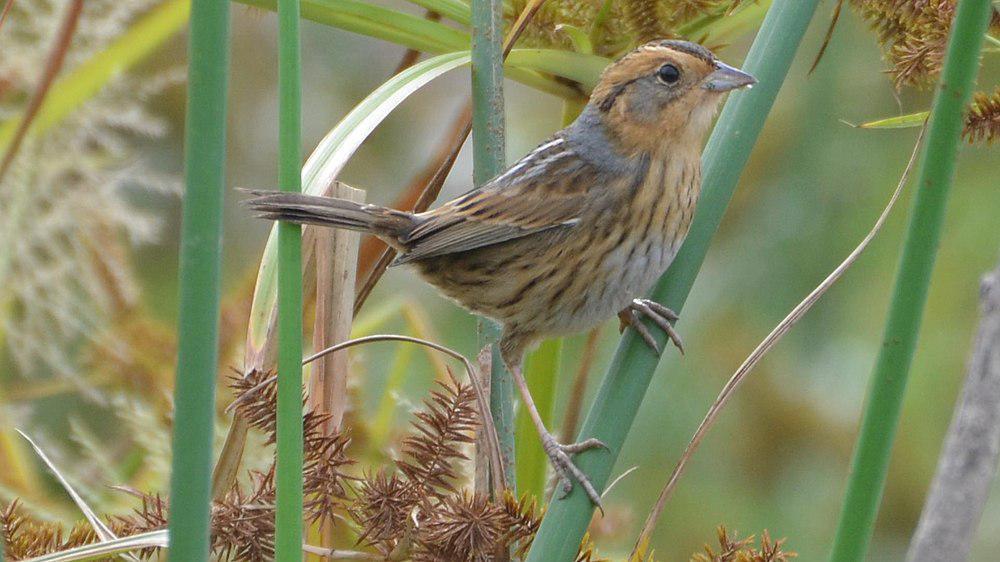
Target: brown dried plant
<point>734,549</point>
<point>914,36</point>
<point>418,510</point>
<point>982,124</point>
<point>25,536</point>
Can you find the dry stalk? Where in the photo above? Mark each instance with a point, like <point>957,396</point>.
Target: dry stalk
<point>336,268</point>
<point>52,67</point>
<point>758,353</point>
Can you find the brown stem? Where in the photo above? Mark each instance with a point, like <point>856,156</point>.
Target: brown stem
<point>55,61</point>
<point>6,8</point>
<point>575,404</point>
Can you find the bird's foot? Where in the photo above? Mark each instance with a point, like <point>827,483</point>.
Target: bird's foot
<point>662,316</point>
<point>559,456</point>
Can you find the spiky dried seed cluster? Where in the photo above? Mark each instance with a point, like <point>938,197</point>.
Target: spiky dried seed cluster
<point>242,523</point>
<point>733,549</point>
<point>588,551</point>
<point>913,34</point>
<point>982,124</point>
<point>325,454</point>
<point>626,24</point>
<point>472,528</point>
<point>26,537</point>
<point>419,510</point>
<point>446,425</point>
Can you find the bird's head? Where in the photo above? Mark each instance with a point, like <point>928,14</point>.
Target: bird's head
<point>665,90</point>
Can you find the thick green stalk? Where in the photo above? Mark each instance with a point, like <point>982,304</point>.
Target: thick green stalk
<point>628,377</point>
<point>888,386</point>
<point>488,150</point>
<point>288,477</point>
<point>201,234</point>
<point>542,372</point>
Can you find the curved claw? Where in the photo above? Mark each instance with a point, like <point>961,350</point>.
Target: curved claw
<point>660,315</point>
<point>567,471</point>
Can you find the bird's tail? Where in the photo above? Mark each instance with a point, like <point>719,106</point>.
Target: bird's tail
<point>388,224</point>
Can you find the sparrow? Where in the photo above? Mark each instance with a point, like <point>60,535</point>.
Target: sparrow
<point>574,232</point>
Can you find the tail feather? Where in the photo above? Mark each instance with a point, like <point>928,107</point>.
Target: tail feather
<point>388,224</point>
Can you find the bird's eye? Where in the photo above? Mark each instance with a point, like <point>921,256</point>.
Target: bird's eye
<point>668,74</point>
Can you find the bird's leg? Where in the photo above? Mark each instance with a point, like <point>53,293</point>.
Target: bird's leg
<point>662,316</point>
<point>559,454</point>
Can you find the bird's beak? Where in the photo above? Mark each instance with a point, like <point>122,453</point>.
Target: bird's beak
<point>726,78</point>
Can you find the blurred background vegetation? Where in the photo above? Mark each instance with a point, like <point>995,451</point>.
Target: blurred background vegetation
<point>777,460</point>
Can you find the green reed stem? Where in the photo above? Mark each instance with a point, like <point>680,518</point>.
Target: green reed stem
<point>488,159</point>
<point>201,248</point>
<point>631,370</point>
<point>881,416</point>
<point>288,476</point>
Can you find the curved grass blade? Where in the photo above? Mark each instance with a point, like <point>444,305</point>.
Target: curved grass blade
<point>102,530</point>
<point>390,25</point>
<point>772,339</point>
<point>629,375</point>
<point>455,10</point>
<point>321,169</point>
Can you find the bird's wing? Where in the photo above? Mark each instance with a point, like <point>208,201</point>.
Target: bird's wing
<point>541,192</point>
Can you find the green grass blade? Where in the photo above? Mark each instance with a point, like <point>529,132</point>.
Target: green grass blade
<point>881,416</point>
<point>898,122</point>
<point>580,67</point>
<point>390,25</point>
<point>628,377</point>
<point>542,371</point>
<point>488,161</point>
<point>288,473</point>
<point>201,234</point>
<point>413,32</point>
<point>455,10</point>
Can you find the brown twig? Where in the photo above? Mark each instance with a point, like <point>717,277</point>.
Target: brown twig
<point>758,353</point>
<point>829,35</point>
<point>575,404</point>
<point>481,396</point>
<point>418,197</point>
<point>54,63</point>
<point>6,8</point>
<point>411,55</point>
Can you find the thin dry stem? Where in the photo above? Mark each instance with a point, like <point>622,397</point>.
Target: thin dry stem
<point>336,266</point>
<point>766,345</point>
<point>481,398</point>
<point>52,67</point>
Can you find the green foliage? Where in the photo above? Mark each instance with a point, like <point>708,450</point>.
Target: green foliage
<point>288,472</point>
<point>198,338</point>
<point>622,390</point>
<point>881,417</point>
